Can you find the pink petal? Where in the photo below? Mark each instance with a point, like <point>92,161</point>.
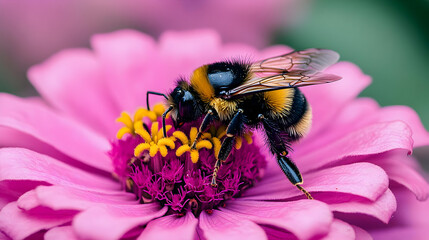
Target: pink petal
<point>111,222</point>
<point>409,222</point>
<point>382,208</point>
<point>361,234</point>
<point>400,169</point>
<point>129,60</point>
<point>275,233</point>
<point>352,117</point>
<point>16,138</point>
<point>364,112</point>
<point>61,233</point>
<point>362,179</point>
<point>373,139</point>
<point>335,95</point>
<point>223,225</point>
<point>23,164</point>
<point>292,216</point>
<point>37,120</point>
<point>400,233</point>
<point>409,116</point>
<point>171,227</point>
<point>10,191</point>
<point>60,197</point>
<point>4,237</point>
<point>73,82</point>
<point>340,230</point>
<point>30,222</point>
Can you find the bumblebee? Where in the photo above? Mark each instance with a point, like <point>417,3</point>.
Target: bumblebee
<point>263,94</point>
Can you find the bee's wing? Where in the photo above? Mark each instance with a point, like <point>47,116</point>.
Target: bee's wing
<point>309,61</point>
<point>295,69</point>
<point>280,81</point>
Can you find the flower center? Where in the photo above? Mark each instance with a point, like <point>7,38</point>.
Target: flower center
<point>169,171</point>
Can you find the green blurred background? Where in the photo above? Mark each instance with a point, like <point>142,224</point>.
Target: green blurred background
<point>388,39</point>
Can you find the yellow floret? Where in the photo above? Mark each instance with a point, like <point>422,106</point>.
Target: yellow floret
<point>238,142</point>
<point>137,123</point>
<point>186,144</point>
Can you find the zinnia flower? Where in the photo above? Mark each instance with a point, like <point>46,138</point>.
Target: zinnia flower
<point>68,170</point>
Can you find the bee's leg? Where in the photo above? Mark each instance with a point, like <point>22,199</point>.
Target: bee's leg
<point>279,148</point>
<point>204,125</point>
<point>164,115</point>
<point>292,172</point>
<point>154,93</point>
<point>233,129</point>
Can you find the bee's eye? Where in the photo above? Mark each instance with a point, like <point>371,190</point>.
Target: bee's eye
<point>177,94</point>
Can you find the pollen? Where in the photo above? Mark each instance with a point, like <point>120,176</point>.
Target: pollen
<point>132,125</point>
<point>186,144</point>
<point>239,140</point>
<point>154,141</point>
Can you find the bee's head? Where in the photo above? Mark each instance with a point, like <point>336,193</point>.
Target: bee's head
<point>184,104</point>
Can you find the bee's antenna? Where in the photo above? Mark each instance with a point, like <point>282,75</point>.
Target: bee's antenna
<point>163,120</point>
<point>154,93</point>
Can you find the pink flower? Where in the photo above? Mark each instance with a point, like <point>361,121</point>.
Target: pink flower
<point>59,155</point>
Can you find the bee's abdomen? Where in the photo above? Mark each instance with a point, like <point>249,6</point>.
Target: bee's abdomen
<point>298,107</point>
<point>290,109</point>
<point>299,117</point>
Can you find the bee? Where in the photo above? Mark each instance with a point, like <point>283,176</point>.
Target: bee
<point>263,94</point>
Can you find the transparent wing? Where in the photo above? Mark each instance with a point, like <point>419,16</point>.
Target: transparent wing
<point>280,81</point>
<point>295,69</point>
<point>309,61</point>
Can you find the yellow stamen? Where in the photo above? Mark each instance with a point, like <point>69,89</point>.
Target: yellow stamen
<point>182,149</point>
<point>138,125</point>
<point>194,156</point>
<point>125,119</point>
<point>181,136</point>
<point>220,132</point>
<point>152,116</point>
<point>193,133</point>
<point>187,141</point>
<point>163,150</point>
<point>204,144</point>
<point>166,142</point>
<point>238,142</point>
<point>122,132</point>
<point>158,109</point>
<point>153,150</point>
<point>144,134</point>
<point>248,137</point>
<point>139,114</point>
<point>154,129</point>
<point>161,131</point>
<point>140,148</point>
<point>216,143</point>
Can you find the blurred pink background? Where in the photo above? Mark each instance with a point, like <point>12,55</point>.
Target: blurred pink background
<point>32,30</point>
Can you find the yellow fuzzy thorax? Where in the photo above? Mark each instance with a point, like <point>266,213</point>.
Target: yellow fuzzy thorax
<point>224,108</point>
<point>201,84</point>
